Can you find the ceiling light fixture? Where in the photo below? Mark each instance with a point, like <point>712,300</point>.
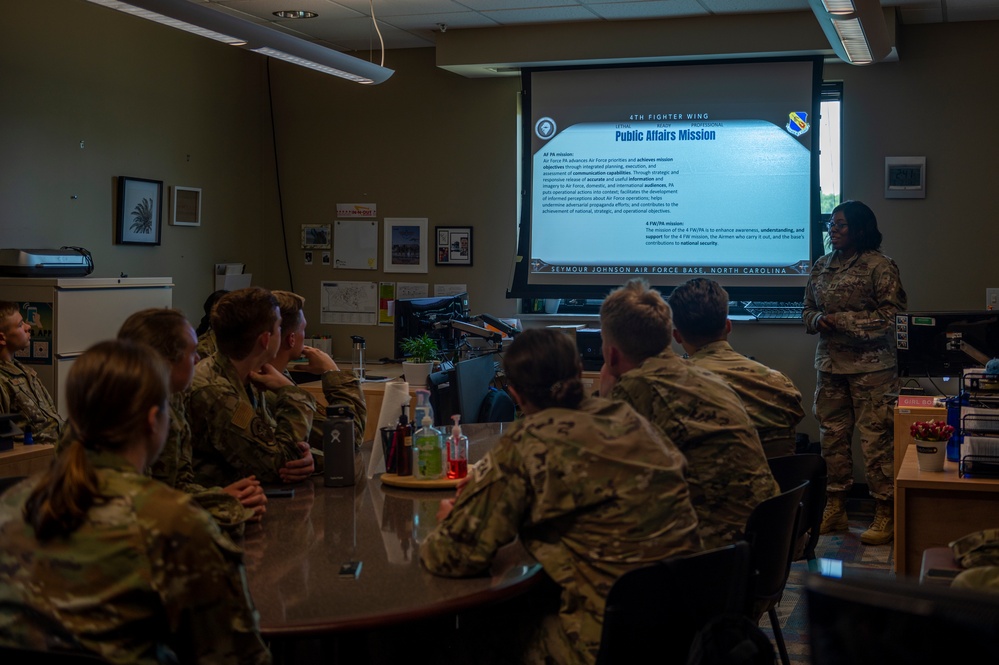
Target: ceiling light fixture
<point>200,20</point>
<point>856,29</point>
<point>295,13</point>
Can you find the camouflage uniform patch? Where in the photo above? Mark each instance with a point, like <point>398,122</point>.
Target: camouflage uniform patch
<point>22,392</point>
<point>727,470</point>
<point>592,494</point>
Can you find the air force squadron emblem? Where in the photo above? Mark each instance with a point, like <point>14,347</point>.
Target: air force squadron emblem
<point>798,123</point>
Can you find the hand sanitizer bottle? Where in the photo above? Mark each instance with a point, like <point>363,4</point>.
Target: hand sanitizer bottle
<point>428,452</point>
<point>457,450</point>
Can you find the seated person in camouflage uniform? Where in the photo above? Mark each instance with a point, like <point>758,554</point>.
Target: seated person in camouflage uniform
<point>233,431</point>
<point>701,326</point>
<point>169,333</point>
<point>592,489</point>
<point>21,391</point>
<point>727,470</point>
<point>98,558</point>
<point>339,386</point>
<point>206,336</point>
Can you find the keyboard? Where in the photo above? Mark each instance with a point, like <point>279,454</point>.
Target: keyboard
<point>773,310</point>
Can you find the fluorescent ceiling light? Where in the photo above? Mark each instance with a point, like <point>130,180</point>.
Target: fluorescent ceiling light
<point>235,31</point>
<point>856,29</point>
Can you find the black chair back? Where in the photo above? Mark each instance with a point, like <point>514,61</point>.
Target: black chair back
<point>659,608</point>
<point>770,532</point>
<point>790,471</point>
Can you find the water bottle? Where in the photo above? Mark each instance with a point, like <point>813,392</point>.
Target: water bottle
<point>357,356</point>
<point>954,405</point>
<point>338,446</point>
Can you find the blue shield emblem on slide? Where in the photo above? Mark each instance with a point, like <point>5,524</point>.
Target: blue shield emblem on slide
<point>798,123</point>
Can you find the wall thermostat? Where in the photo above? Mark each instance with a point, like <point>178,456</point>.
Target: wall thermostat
<point>905,177</point>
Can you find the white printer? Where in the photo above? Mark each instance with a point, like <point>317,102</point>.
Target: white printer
<point>64,262</point>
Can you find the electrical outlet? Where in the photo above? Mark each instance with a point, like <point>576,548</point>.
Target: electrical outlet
<point>991,298</point>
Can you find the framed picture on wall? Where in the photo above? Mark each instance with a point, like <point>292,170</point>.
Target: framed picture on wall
<point>405,246</point>
<point>140,203</point>
<point>185,209</point>
<point>454,245</point>
<point>316,236</point>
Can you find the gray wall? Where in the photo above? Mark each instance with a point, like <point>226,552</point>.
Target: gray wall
<point>157,103</point>
<point>147,102</point>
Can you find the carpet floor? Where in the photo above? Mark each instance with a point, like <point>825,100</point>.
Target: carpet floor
<point>845,547</point>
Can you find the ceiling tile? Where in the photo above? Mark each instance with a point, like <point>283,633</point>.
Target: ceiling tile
<point>542,15</point>
<point>651,9</point>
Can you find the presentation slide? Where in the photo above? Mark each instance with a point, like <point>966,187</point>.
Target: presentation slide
<point>675,170</point>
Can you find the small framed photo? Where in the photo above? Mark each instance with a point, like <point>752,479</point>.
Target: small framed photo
<point>454,245</point>
<point>316,236</point>
<point>405,246</point>
<point>140,203</point>
<point>185,207</point>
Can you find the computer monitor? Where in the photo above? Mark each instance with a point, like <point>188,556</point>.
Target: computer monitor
<point>945,343</point>
<point>416,316</point>
<point>868,620</point>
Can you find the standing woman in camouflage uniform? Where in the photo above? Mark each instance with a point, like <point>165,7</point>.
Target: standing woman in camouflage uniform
<point>97,557</point>
<point>851,300</point>
<point>592,488</point>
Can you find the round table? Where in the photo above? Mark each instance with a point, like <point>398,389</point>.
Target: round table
<point>295,555</point>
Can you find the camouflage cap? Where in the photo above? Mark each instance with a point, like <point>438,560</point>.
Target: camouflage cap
<point>980,548</point>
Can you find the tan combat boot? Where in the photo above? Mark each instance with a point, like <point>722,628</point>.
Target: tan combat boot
<point>834,517</point>
<point>882,530</point>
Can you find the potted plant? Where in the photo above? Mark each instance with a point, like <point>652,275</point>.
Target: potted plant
<point>422,352</point>
<point>931,443</point>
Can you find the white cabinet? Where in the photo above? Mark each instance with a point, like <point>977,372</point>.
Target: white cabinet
<point>69,314</point>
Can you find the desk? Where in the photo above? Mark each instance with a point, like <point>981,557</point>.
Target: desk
<point>934,508</point>
<point>26,460</point>
<point>294,555</point>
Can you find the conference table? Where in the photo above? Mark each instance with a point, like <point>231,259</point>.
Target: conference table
<point>295,555</point>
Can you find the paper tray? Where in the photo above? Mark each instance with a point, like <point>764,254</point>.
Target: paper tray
<point>411,483</point>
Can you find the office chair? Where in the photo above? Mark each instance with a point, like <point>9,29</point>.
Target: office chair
<point>790,471</point>
<point>770,532</point>
<point>658,609</point>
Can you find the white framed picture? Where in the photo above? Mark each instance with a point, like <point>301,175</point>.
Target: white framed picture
<point>406,244</point>
<point>185,206</point>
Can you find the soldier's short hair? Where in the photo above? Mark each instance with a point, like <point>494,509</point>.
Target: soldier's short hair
<point>239,317</point>
<point>7,308</point>
<point>636,320</point>
<point>291,306</point>
<point>163,329</point>
<point>700,310</point>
